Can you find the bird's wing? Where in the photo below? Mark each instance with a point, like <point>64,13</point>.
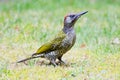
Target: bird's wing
<point>53,44</point>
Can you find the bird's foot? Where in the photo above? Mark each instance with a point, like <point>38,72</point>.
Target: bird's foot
<point>53,63</point>
<point>61,63</point>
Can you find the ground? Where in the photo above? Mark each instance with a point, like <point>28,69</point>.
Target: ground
<point>27,24</point>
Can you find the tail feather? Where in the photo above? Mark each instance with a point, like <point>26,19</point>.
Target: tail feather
<point>25,59</point>
<point>34,54</point>
<point>32,57</point>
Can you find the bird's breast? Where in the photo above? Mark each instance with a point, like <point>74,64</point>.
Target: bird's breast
<point>69,40</point>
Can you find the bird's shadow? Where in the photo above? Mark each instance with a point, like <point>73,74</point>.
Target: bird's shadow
<point>43,63</point>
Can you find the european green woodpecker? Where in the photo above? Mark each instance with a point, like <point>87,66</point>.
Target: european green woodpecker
<point>62,43</point>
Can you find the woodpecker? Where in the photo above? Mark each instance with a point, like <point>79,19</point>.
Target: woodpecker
<point>62,42</point>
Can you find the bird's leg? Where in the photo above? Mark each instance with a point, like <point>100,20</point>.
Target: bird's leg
<point>53,62</point>
<point>61,61</point>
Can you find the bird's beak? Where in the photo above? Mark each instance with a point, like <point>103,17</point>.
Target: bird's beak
<point>80,14</point>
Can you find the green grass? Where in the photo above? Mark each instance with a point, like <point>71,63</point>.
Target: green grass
<point>27,24</point>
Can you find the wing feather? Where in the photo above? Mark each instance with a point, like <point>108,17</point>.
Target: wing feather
<point>53,44</point>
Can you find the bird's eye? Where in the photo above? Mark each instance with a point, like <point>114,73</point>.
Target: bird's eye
<point>72,15</point>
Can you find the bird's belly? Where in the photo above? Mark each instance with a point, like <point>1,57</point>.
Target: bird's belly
<point>67,44</point>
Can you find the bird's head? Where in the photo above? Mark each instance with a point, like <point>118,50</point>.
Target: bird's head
<point>70,19</point>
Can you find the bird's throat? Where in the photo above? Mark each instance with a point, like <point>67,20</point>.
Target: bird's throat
<point>67,29</point>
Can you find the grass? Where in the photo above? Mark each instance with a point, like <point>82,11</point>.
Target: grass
<point>25,25</point>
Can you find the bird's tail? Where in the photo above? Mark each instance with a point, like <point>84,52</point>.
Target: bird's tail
<point>32,57</point>
<point>34,54</point>
<point>25,59</point>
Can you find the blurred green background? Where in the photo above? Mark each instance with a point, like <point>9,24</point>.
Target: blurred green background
<point>27,24</point>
